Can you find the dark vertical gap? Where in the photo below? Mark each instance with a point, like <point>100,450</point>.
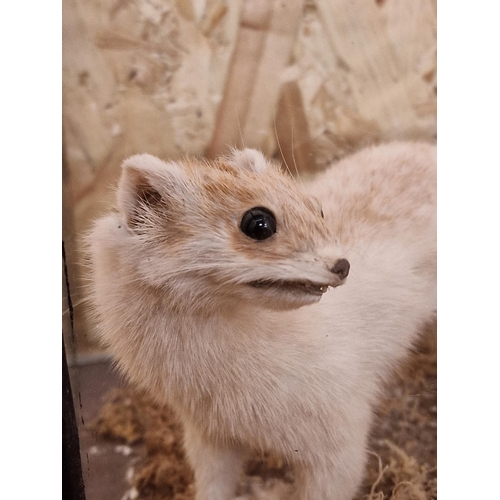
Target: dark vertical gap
<point>72,478</point>
<point>70,302</point>
<point>71,334</point>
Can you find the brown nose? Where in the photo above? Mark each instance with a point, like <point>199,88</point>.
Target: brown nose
<point>341,268</point>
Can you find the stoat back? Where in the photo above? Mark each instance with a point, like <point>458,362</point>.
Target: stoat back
<point>381,193</point>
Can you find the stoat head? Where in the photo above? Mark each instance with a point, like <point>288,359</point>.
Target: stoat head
<point>233,231</point>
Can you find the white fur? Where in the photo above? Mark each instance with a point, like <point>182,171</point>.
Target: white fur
<point>249,159</point>
<point>251,372</point>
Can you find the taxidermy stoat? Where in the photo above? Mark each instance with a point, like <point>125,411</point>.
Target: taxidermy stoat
<point>217,287</point>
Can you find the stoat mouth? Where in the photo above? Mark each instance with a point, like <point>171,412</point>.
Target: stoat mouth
<point>306,287</point>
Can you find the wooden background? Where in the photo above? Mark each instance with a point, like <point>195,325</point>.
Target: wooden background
<point>306,82</point>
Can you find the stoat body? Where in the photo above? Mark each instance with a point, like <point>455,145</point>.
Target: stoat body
<point>217,287</point>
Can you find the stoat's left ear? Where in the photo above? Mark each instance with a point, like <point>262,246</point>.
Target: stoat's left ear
<point>248,159</point>
<point>149,185</point>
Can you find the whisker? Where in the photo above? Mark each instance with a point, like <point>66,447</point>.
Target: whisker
<point>279,145</point>
<point>364,255</point>
<point>293,158</point>
<point>239,129</point>
<point>341,228</point>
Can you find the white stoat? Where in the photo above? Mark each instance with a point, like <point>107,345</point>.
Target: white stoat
<point>216,287</point>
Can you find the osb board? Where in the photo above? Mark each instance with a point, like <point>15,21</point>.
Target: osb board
<point>367,72</point>
<point>305,81</point>
<point>138,76</point>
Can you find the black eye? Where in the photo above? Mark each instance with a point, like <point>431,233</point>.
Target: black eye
<point>258,223</point>
<point>322,214</point>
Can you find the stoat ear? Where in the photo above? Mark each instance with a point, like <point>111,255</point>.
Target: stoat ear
<point>249,159</point>
<point>148,184</point>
